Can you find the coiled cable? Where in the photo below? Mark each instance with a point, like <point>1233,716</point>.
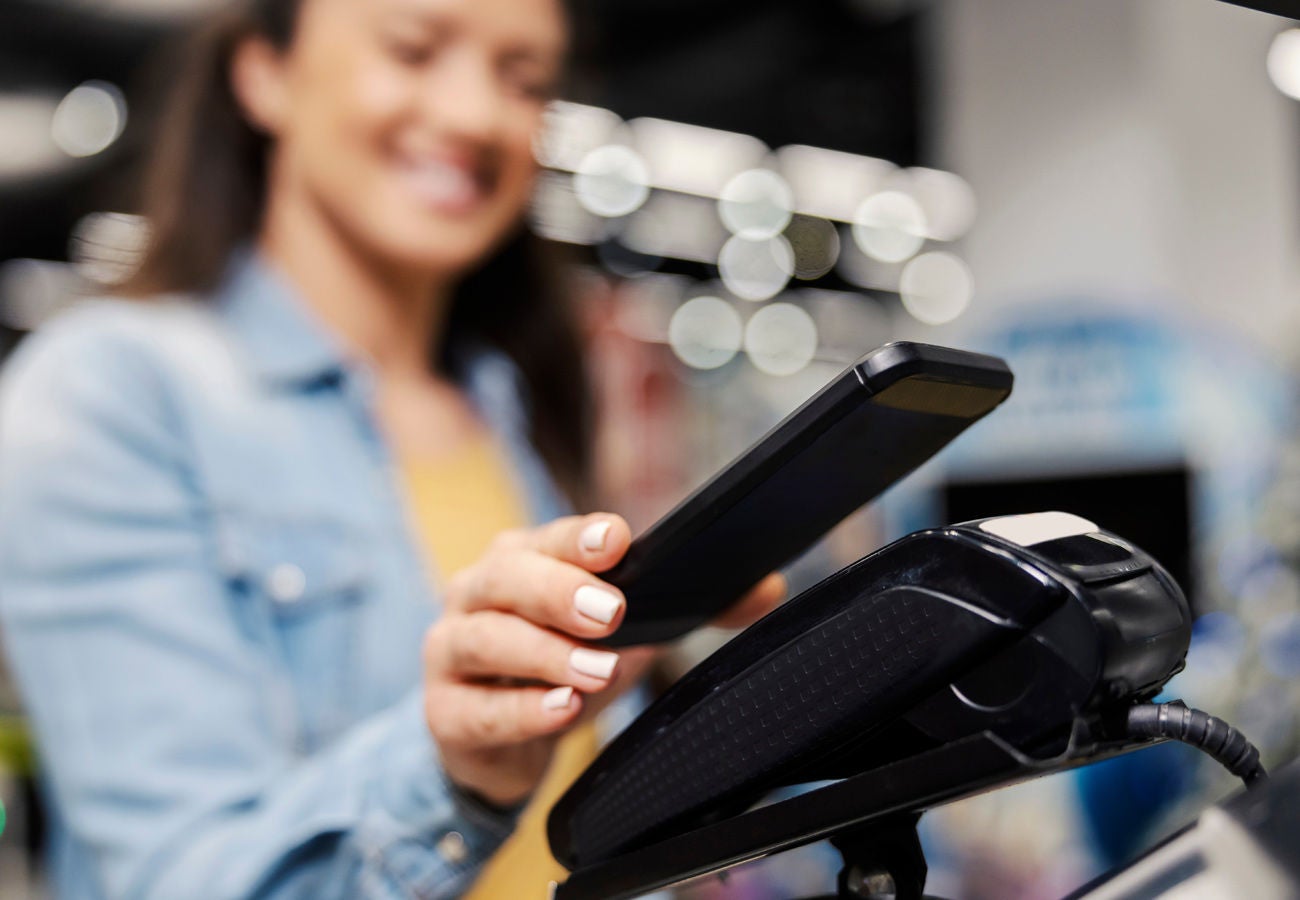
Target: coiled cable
<point>1215,737</point>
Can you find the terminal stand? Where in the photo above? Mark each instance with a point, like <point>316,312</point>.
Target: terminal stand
<point>882,861</point>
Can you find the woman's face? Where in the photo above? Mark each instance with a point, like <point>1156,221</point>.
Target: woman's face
<point>409,124</point>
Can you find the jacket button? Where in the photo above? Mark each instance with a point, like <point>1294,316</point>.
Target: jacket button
<point>452,848</point>
<point>286,583</point>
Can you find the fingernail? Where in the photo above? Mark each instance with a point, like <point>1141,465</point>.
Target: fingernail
<point>557,698</point>
<point>596,663</point>
<point>593,537</point>
<point>597,604</point>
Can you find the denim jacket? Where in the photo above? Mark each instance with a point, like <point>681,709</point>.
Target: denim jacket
<point>213,604</point>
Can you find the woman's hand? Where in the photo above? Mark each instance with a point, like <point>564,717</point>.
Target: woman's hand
<point>508,666</point>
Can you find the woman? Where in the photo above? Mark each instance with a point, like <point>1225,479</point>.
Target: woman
<point>264,575</point>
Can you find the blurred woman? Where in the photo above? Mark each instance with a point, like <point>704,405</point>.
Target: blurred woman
<point>270,574</point>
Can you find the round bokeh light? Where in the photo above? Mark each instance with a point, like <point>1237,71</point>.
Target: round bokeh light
<point>936,287</point>
<point>889,226</point>
<point>756,204</point>
<point>816,246</point>
<point>89,119</point>
<point>781,339</point>
<point>612,181</point>
<point>756,270</point>
<point>706,332</point>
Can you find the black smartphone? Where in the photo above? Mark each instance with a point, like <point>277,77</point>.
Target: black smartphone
<point>880,419</point>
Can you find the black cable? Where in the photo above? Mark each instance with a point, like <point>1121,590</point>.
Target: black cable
<point>1178,722</point>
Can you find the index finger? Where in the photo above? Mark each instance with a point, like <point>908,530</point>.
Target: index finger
<point>595,542</point>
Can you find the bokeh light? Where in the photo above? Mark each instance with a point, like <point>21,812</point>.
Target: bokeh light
<point>756,270</point>
<point>706,332</point>
<point>859,270</point>
<point>781,339</point>
<point>677,226</point>
<point>89,119</point>
<point>947,200</point>
<point>756,204</point>
<point>889,226</point>
<point>26,146</point>
<point>691,159</point>
<point>829,183</point>
<point>107,247</point>
<point>612,181</point>
<point>936,287</point>
<point>557,215</point>
<point>1284,62</point>
<point>572,130</point>
<point>816,246</point>
<point>33,290</point>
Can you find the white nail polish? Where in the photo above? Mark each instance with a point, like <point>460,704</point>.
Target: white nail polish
<point>557,698</point>
<point>596,663</point>
<point>596,604</point>
<point>593,537</point>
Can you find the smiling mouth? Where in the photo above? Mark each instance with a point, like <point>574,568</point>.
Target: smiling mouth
<point>448,187</point>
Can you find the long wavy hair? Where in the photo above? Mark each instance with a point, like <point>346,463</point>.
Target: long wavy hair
<point>204,193</point>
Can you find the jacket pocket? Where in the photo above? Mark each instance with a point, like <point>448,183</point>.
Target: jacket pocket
<point>301,585</point>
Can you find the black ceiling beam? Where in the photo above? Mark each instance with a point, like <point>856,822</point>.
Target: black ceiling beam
<point>1288,8</point>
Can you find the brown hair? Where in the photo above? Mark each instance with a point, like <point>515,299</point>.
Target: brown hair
<point>204,194</point>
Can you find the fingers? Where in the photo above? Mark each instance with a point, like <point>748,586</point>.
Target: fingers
<point>493,644</point>
<point>633,663</point>
<point>542,589</point>
<point>596,542</point>
<point>472,715</point>
<point>761,599</point>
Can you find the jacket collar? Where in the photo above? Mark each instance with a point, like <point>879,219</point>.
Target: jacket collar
<point>282,341</point>
<point>286,345</point>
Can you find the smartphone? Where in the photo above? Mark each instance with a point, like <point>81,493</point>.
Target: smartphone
<point>877,421</point>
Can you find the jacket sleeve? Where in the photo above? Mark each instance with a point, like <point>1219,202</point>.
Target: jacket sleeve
<point>147,697</point>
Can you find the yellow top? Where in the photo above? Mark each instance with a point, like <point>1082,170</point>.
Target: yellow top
<point>460,502</point>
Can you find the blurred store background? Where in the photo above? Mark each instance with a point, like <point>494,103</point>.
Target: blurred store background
<point>757,192</point>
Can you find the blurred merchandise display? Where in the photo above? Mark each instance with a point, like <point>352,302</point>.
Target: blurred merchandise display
<point>652,195</point>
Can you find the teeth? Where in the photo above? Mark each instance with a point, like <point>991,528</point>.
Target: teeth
<point>442,184</point>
